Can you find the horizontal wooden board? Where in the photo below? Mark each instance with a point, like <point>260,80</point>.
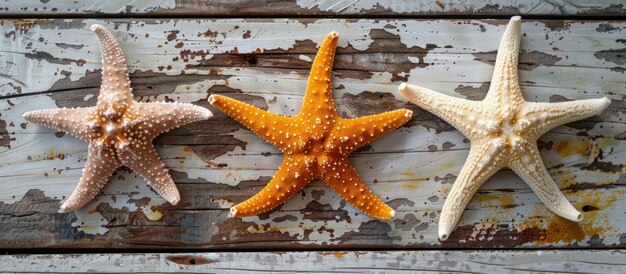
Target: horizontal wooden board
<point>535,261</point>
<point>56,63</point>
<point>307,8</point>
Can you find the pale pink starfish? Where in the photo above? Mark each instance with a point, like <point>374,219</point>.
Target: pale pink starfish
<point>118,130</point>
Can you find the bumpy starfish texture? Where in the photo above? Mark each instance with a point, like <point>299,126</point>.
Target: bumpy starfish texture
<point>316,143</point>
<point>118,130</point>
<point>503,130</point>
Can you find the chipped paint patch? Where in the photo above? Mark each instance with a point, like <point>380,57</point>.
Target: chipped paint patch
<point>305,58</point>
<point>152,210</point>
<point>92,6</point>
<point>88,97</point>
<point>456,7</point>
<point>90,221</point>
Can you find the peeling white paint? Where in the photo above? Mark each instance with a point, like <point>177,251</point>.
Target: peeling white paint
<point>450,6</point>
<point>490,261</point>
<point>311,7</point>
<point>90,222</point>
<point>305,58</point>
<point>90,6</point>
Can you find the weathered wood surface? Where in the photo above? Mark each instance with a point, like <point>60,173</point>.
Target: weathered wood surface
<point>55,63</point>
<point>542,261</point>
<point>291,8</point>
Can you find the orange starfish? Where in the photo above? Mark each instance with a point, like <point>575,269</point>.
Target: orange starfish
<point>316,142</point>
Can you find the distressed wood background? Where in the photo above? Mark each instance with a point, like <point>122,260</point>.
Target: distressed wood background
<point>316,8</point>
<point>518,261</point>
<point>448,46</point>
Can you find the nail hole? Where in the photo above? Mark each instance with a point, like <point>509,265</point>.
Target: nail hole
<point>189,260</point>
<point>588,208</point>
<point>252,60</point>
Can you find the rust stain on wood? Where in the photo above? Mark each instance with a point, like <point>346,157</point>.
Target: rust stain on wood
<point>190,260</point>
<point>567,148</point>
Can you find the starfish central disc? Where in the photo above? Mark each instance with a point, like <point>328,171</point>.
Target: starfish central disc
<point>316,142</point>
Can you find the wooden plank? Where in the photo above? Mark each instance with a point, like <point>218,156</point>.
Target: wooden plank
<point>55,63</point>
<point>561,261</point>
<point>298,8</point>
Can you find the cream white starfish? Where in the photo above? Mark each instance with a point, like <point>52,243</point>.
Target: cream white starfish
<point>118,130</point>
<point>503,130</point>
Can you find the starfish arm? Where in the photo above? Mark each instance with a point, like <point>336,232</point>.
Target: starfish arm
<point>341,176</point>
<point>265,124</point>
<point>483,161</point>
<point>98,169</point>
<point>70,120</point>
<point>293,174</point>
<point>351,134</point>
<point>146,162</point>
<point>451,109</point>
<point>115,91</point>
<point>504,87</point>
<point>318,98</point>
<point>530,168</point>
<point>160,117</point>
<point>542,117</point>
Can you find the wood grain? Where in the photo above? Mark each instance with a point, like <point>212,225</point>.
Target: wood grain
<point>56,63</point>
<point>307,8</point>
<point>518,261</point>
